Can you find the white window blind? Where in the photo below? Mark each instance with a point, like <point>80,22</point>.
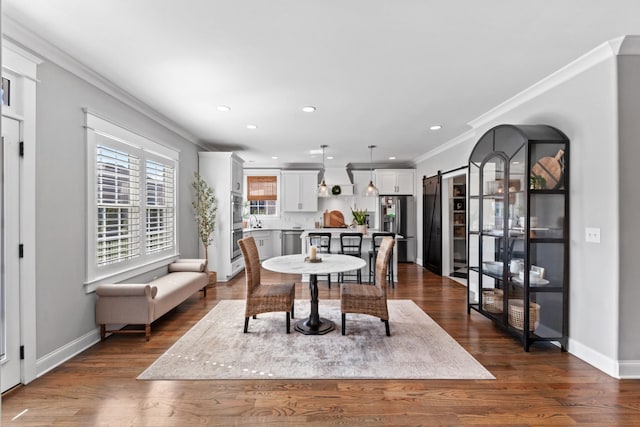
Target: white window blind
<point>159,218</point>
<point>132,223</point>
<point>118,202</point>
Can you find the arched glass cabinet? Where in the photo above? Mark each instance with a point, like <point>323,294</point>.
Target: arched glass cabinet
<point>518,231</point>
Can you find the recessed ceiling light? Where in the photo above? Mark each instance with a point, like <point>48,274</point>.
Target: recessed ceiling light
<point>436,127</point>
<point>329,157</point>
<point>223,108</point>
<point>392,158</point>
<point>274,157</point>
<point>252,127</point>
<point>309,109</point>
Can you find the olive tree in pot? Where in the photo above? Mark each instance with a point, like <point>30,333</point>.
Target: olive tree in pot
<point>204,209</point>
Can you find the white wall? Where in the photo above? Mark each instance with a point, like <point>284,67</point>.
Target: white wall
<point>581,101</point>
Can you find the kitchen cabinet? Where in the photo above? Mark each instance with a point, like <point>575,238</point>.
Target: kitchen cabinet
<point>221,171</point>
<point>299,191</point>
<point>518,231</point>
<point>396,181</point>
<point>264,242</point>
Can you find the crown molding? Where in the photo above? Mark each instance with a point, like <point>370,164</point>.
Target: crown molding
<point>596,56</point>
<point>14,32</point>
<point>464,137</point>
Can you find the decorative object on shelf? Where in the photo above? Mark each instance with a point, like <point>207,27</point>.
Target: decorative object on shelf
<point>323,189</point>
<point>205,209</point>
<point>537,182</point>
<point>492,300</point>
<point>550,169</point>
<point>360,218</point>
<point>371,190</point>
<point>516,314</point>
<point>336,190</point>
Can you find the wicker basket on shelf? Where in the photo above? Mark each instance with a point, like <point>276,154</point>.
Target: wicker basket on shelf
<point>516,314</point>
<point>492,300</point>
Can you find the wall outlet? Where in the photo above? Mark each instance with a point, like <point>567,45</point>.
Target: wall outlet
<point>592,235</point>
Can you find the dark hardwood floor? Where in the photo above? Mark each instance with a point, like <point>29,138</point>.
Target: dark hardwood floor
<point>543,387</point>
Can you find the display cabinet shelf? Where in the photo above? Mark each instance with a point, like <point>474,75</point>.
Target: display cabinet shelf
<point>518,221</point>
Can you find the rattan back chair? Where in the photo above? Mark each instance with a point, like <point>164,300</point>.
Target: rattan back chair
<point>263,298</point>
<point>376,239</point>
<point>369,299</point>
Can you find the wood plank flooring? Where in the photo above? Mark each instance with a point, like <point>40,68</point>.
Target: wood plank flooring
<point>540,388</point>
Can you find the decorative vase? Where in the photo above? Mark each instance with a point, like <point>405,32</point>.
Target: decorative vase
<point>362,228</point>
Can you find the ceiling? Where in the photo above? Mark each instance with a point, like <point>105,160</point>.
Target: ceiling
<point>379,72</point>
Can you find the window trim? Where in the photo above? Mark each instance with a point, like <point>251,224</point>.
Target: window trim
<point>97,128</point>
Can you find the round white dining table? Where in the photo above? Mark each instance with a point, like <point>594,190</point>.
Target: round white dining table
<point>296,264</point>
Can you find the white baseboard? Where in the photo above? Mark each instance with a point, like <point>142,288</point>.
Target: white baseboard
<point>596,359</point>
<point>629,369</point>
<point>66,352</point>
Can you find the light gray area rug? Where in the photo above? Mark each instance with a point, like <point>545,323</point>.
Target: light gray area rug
<point>216,348</point>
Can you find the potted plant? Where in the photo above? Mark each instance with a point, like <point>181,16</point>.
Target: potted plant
<point>360,218</point>
<point>204,209</point>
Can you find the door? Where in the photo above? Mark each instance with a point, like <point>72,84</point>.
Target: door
<point>9,254</point>
<point>432,223</point>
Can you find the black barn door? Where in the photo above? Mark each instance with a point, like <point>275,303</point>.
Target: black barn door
<point>432,223</point>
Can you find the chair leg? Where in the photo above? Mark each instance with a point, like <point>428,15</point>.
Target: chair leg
<point>386,327</point>
<point>292,309</point>
<point>246,325</point>
<point>329,280</point>
<point>288,322</point>
<point>344,320</point>
<point>255,316</point>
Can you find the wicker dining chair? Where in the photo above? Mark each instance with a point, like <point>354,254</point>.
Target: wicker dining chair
<point>369,299</point>
<point>263,298</point>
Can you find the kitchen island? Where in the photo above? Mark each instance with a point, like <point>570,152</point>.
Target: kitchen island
<point>335,248</point>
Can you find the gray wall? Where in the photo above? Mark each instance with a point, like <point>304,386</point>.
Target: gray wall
<point>629,172</point>
<point>64,311</point>
<point>585,108</point>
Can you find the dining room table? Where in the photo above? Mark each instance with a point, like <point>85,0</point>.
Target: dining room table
<point>326,263</point>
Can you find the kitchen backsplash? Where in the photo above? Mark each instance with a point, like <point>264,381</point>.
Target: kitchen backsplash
<point>308,219</point>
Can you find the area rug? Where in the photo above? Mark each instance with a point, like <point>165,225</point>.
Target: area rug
<point>216,348</point>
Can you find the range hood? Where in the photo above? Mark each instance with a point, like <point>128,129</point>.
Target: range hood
<point>338,181</point>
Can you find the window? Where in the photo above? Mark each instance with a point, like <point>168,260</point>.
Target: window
<point>131,226</point>
<point>262,195</point>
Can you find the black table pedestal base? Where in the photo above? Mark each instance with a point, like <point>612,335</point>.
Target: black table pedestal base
<point>321,327</point>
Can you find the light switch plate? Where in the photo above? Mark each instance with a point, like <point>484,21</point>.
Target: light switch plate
<point>592,235</point>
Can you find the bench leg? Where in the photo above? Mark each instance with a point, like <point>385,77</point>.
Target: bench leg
<point>103,331</point>
<point>147,331</point>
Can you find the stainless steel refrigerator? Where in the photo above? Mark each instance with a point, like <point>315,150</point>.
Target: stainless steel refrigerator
<point>398,215</point>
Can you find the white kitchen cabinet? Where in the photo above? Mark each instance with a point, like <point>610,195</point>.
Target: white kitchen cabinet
<point>264,242</point>
<point>299,191</point>
<point>396,181</point>
<point>220,171</point>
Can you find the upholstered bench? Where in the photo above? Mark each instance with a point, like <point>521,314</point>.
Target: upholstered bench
<point>141,304</point>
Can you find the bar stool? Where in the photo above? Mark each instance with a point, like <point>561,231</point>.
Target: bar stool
<point>376,240</point>
<point>351,244</point>
<point>322,242</point>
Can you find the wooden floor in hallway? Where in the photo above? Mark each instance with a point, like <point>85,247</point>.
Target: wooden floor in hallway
<point>540,388</point>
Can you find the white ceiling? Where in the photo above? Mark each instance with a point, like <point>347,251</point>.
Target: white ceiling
<point>379,71</point>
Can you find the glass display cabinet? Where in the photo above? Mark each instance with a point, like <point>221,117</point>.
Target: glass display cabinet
<point>518,231</point>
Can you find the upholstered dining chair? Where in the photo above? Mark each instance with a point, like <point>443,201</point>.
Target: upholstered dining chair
<point>369,299</point>
<point>263,298</point>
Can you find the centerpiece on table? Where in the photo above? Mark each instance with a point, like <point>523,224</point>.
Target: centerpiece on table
<point>360,219</point>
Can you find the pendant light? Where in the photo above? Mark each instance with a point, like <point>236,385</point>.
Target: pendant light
<point>323,190</point>
<point>371,190</point>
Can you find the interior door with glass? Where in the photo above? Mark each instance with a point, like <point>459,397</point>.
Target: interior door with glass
<point>10,271</point>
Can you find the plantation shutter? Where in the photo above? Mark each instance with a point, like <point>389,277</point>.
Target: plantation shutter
<point>262,188</point>
<point>118,204</point>
<point>159,206</point>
